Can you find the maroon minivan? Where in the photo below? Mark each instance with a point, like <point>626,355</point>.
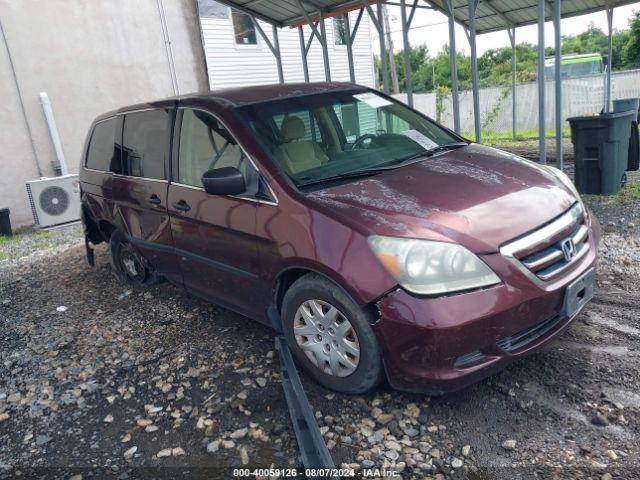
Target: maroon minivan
<point>381,244</point>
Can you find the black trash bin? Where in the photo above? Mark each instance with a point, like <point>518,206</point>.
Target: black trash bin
<point>601,148</point>
<point>5,222</point>
<point>622,105</point>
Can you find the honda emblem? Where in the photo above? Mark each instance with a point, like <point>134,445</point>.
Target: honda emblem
<point>568,249</point>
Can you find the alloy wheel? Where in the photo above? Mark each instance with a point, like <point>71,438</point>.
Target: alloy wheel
<point>327,338</point>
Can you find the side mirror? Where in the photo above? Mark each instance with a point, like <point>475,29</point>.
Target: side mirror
<point>223,181</point>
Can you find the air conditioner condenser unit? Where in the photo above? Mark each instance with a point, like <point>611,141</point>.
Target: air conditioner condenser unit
<point>55,200</point>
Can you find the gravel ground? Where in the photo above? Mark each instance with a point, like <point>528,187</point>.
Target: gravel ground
<point>98,379</point>
<point>529,149</point>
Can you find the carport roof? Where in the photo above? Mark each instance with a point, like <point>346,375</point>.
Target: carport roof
<point>491,16</point>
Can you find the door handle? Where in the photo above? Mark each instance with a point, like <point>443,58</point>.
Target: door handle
<point>182,206</point>
<point>154,200</point>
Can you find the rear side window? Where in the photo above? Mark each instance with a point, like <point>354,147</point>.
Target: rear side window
<point>145,141</point>
<point>103,152</point>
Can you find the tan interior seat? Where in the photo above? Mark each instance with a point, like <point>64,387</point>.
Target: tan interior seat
<point>295,154</point>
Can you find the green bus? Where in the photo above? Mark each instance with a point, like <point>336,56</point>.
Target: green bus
<point>574,65</point>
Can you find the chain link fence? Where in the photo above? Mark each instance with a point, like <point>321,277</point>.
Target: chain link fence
<point>580,96</point>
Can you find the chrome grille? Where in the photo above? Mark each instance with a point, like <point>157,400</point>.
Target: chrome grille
<point>553,248</point>
<point>531,334</point>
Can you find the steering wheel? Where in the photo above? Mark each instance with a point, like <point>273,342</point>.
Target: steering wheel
<point>360,140</point>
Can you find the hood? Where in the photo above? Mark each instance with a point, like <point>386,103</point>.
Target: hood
<point>477,196</point>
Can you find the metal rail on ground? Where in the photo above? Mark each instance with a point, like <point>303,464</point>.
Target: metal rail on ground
<point>313,450</point>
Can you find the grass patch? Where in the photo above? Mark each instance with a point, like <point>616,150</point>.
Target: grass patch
<point>489,136</point>
<point>32,239</point>
<point>630,193</point>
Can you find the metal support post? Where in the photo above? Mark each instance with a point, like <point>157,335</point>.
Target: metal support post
<point>609,55</point>
<point>473,5</point>
<point>453,62</point>
<point>347,31</point>
<point>512,39</point>
<point>276,46</point>
<point>557,17</point>
<point>542,143</point>
<point>325,53</point>
<point>406,24</point>
<point>303,53</point>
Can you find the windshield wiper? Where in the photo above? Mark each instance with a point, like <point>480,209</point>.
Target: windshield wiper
<point>367,172</point>
<point>431,151</point>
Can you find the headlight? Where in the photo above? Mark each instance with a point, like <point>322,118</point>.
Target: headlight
<point>427,267</point>
<point>566,181</point>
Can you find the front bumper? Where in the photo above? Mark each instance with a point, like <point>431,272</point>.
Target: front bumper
<point>438,345</point>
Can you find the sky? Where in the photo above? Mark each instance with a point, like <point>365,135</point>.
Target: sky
<point>431,28</point>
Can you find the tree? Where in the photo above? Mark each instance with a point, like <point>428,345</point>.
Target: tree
<point>494,66</point>
<point>631,49</point>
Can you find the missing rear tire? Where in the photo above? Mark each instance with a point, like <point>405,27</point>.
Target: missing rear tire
<point>127,264</point>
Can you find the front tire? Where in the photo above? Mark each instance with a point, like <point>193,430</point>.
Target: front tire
<point>331,336</point>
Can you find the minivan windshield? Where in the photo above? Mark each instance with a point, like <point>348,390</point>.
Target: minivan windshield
<point>319,138</point>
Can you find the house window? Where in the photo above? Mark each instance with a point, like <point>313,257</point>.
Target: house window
<point>340,30</point>
<point>244,29</point>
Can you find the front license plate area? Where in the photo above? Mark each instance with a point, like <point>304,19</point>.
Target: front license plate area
<point>579,292</point>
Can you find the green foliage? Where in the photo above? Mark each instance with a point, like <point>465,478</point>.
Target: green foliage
<point>441,92</point>
<point>631,48</point>
<point>494,66</point>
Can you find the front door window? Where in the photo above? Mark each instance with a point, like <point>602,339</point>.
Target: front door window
<point>205,144</point>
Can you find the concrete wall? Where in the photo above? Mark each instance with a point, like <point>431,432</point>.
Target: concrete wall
<point>90,57</point>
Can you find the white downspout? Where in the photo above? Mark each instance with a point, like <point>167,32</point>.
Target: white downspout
<point>53,131</point>
<point>167,46</point>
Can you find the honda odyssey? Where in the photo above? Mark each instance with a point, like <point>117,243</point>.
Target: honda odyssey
<point>379,243</point>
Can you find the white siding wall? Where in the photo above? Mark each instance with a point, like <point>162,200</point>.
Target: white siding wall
<point>232,65</point>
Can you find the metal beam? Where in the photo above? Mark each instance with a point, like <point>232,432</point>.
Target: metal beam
<point>542,141</point>
<point>512,39</point>
<point>383,48</point>
<point>507,21</point>
<point>372,16</point>
<point>313,450</point>
<point>609,60</point>
<point>473,5</point>
<point>276,46</point>
<point>422,7</point>
<point>413,11</point>
<point>311,37</point>
<point>325,53</point>
<point>355,27</point>
<point>351,36</point>
<point>379,24</point>
<point>251,13</point>
<point>303,54</point>
<point>311,24</point>
<point>406,24</point>
<point>347,28</point>
<point>453,63</point>
<point>557,13</point>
